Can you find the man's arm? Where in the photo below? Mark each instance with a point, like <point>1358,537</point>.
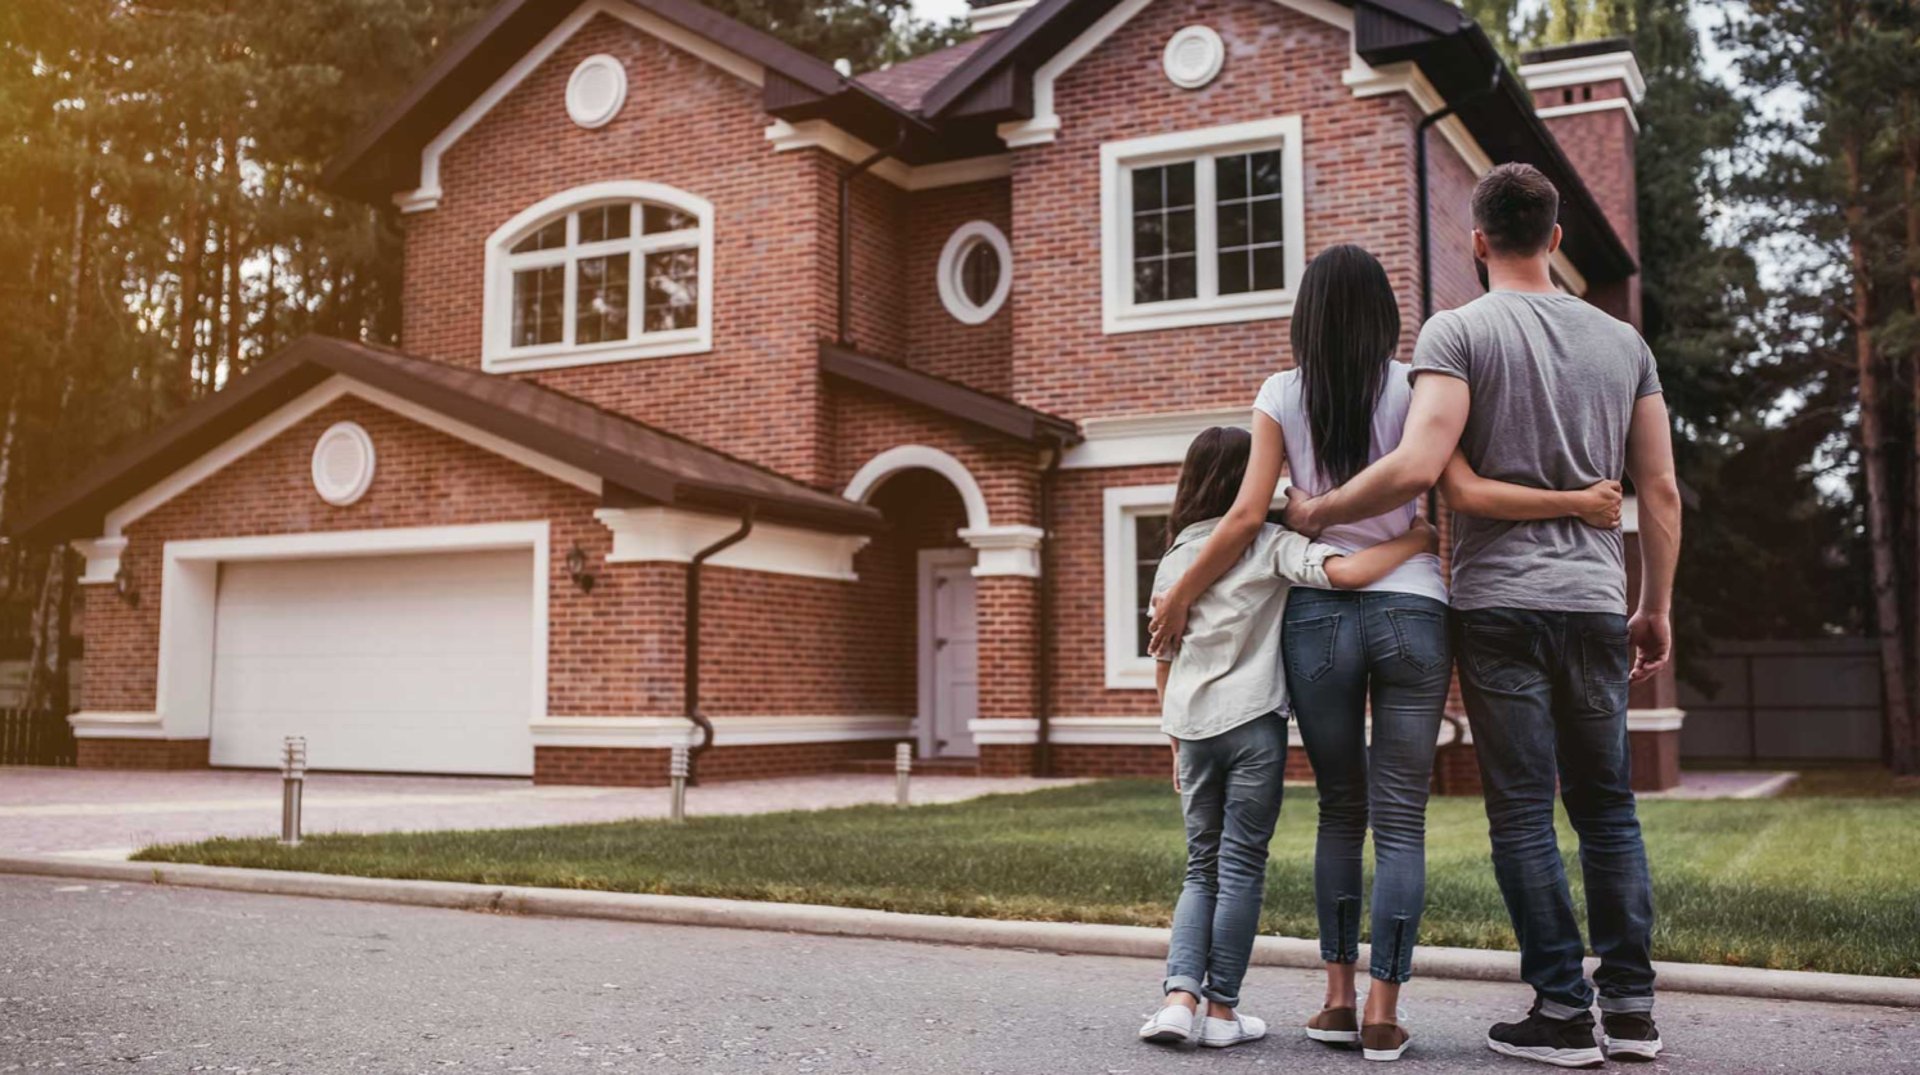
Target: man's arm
<point>1435,420</point>
<point>1650,465</point>
<point>1598,505</point>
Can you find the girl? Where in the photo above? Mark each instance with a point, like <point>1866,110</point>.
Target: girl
<point>1342,407</point>
<point>1224,705</point>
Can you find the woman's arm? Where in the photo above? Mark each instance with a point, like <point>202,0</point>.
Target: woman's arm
<point>1368,566</point>
<point>1598,505</point>
<point>1228,540</point>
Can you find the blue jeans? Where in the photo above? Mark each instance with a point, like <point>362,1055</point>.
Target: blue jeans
<point>1343,648</point>
<point>1230,790</point>
<point>1546,694</point>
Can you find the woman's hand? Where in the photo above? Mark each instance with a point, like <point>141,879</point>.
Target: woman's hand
<point>1429,534</point>
<point>1174,745</point>
<point>1166,624</point>
<point>1598,505</point>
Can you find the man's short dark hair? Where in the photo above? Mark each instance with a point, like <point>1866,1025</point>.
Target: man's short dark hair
<point>1515,207</point>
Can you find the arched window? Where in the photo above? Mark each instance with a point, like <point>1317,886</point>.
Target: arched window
<point>601,273</point>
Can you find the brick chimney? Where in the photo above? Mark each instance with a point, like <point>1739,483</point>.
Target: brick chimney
<point>1586,93</point>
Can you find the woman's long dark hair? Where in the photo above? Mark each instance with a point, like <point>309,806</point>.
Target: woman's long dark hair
<point>1346,325</point>
<point>1210,478</point>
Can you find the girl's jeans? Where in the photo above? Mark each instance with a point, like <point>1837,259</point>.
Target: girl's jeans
<point>1342,648</point>
<point>1230,789</point>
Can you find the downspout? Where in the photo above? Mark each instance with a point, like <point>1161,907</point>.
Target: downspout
<point>691,645</point>
<point>1043,651</point>
<point>845,331</point>
<point>1426,124</point>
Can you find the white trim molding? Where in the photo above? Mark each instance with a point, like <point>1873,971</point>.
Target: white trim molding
<point>428,194</point>
<point>664,733</point>
<point>821,134</point>
<point>1580,70</point>
<point>1118,310</point>
<point>1045,125</point>
<point>189,585</point>
<point>1137,440</point>
<point>108,725</point>
<point>1630,515</point>
<point>1005,550</point>
<point>1655,720</point>
<point>1126,669</point>
<point>1605,104</point>
<point>102,556</point>
<point>912,456</point>
<point>673,535</point>
<point>994,733</point>
<point>999,16</point>
<point>497,352</point>
<point>960,245</point>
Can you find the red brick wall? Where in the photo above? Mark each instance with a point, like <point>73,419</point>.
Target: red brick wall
<point>141,753</point>
<point>649,768</point>
<point>1358,156</point>
<point>1601,146</point>
<point>1080,601</point>
<point>939,343</point>
<point>689,125</point>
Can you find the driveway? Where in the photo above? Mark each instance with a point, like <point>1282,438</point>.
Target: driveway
<point>111,814</point>
<point>156,978</point>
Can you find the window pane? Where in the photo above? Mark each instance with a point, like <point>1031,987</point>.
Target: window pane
<point>1150,280</point>
<point>1179,184</point>
<point>537,295</point>
<point>1149,543</point>
<point>1266,172</point>
<point>673,290</point>
<point>551,236</point>
<point>1269,268</point>
<point>602,288</point>
<point>1233,224</point>
<point>1268,222</point>
<point>606,222</point>
<point>1234,277</point>
<point>1146,188</point>
<point>1180,232</point>
<point>659,218</point>
<point>1230,176</point>
<point>1149,235</point>
<point>979,272</point>
<point>1182,281</point>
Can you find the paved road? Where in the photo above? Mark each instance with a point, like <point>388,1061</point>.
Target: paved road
<point>139,977</point>
<point>112,813</point>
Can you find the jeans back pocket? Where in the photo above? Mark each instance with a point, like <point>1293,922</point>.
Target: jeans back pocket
<point>1606,660</point>
<point>1505,659</point>
<point>1420,636</point>
<point>1309,645</point>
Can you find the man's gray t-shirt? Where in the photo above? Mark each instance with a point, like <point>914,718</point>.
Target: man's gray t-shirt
<point>1554,380</point>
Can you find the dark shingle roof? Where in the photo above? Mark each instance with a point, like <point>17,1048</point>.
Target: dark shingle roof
<point>906,83</point>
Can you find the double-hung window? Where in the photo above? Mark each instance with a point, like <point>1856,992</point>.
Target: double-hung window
<point>600,274</point>
<point>1202,227</point>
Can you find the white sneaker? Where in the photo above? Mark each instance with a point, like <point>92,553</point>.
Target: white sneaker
<point>1172,1023</point>
<point>1221,1033</point>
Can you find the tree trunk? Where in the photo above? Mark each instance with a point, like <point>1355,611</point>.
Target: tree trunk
<point>1906,748</point>
<point>1881,510</point>
<point>192,248</point>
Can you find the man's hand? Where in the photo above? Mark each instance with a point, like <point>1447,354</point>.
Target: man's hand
<point>1600,505</point>
<point>1299,513</point>
<point>1427,531</point>
<point>1651,634</point>
<point>1166,624</point>
<point>1174,745</point>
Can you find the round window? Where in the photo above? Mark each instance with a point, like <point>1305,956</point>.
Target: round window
<point>1194,55</point>
<point>343,463</point>
<point>975,272</point>
<point>596,90</point>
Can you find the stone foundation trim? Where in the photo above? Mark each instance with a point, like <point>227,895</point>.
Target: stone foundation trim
<point>1137,440</point>
<point>1004,732</point>
<point>1005,550</point>
<point>664,733</point>
<point>1115,731</point>
<point>671,535</point>
<point>108,725</point>
<point>1655,720</point>
<point>123,752</point>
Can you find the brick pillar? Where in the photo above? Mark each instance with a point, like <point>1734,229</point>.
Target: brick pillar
<point>1008,611</point>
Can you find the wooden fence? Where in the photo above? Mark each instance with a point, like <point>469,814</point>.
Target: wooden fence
<point>1784,702</point>
<point>29,737</point>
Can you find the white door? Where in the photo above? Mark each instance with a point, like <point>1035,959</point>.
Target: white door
<point>950,645</point>
<point>417,663</point>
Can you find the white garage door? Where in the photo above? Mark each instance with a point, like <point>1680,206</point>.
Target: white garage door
<point>417,664</point>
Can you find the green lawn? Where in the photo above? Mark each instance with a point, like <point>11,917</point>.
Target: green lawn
<point>1820,884</point>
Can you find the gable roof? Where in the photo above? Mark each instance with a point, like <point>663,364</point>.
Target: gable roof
<point>951,398</point>
<point>906,83</point>
<point>636,462</point>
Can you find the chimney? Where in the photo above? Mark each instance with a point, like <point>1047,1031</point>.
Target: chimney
<point>1586,94</point>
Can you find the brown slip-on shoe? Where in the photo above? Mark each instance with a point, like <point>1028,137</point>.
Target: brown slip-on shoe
<point>1383,1041</point>
<point>1335,1026</point>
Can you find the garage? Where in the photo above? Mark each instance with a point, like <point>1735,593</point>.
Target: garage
<point>419,663</point>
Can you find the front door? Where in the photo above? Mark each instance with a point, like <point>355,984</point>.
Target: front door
<point>949,654</point>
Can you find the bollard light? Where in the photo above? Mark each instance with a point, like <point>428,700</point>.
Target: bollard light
<point>902,770</point>
<point>677,773</point>
<point>293,771</point>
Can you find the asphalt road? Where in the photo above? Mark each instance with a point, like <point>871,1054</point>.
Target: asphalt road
<point>143,978</point>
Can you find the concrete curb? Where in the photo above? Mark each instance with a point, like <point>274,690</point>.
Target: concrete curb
<point>1063,937</point>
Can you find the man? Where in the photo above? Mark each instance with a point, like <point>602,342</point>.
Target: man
<point>1537,387</point>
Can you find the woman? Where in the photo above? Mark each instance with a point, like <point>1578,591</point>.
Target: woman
<point>1343,406</point>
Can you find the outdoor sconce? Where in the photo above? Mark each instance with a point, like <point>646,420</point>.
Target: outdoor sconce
<point>123,585</point>
<point>577,570</point>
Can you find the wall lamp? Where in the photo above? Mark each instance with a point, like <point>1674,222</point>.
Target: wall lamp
<point>577,570</point>
<point>124,585</point>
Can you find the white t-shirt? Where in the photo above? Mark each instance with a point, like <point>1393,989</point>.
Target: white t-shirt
<point>1280,399</point>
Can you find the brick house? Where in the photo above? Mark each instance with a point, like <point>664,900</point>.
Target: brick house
<point>746,405</point>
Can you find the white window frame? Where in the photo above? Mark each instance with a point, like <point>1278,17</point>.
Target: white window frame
<point>953,295</point>
<point>498,355</point>
<point>1126,669</point>
<point>1119,313</point>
